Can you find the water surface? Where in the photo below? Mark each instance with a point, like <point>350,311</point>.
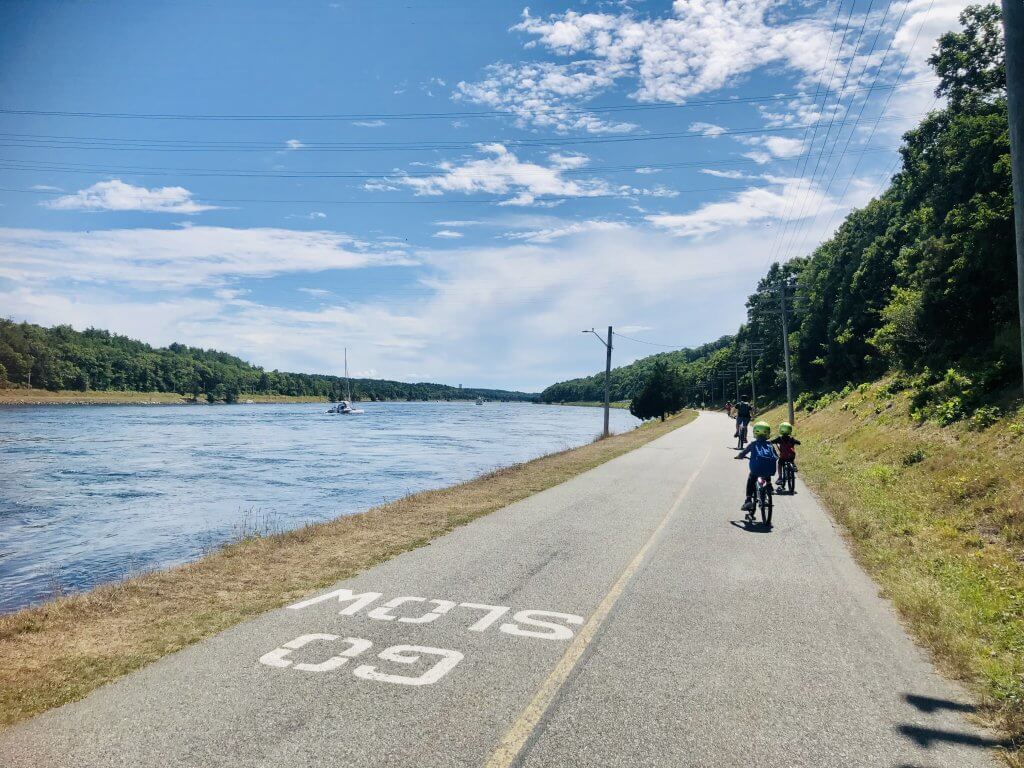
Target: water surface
<point>91,494</point>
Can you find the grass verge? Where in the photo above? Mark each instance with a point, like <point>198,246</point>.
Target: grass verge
<point>936,516</point>
<point>60,651</point>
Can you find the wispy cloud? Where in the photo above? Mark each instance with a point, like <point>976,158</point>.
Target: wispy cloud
<point>369,123</point>
<point>162,259</point>
<point>116,195</point>
<point>448,234</point>
<point>771,202</point>
<point>294,144</point>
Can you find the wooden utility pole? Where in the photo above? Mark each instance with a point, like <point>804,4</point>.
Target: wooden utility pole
<point>607,374</point>
<point>785,346</point>
<point>1013,34</point>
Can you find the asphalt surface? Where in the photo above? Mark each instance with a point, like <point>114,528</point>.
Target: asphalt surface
<point>685,639</point>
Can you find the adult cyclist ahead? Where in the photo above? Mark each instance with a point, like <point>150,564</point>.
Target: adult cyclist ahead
<point>744,412</point>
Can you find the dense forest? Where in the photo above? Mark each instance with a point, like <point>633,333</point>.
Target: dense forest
<point>62,358</point>
<point>919,284</point>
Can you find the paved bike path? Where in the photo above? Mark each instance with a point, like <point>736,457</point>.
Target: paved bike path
<point>643,626</point>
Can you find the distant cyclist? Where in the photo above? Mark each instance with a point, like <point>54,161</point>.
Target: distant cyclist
<point>762,463</point>
<point>786,444</point>
<point>744,411</point>
<point>728,409</point>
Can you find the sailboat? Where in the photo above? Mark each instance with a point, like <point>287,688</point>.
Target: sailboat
<point>345,406</point>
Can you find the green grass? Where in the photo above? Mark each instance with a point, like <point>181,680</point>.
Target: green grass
<point>935,515</point>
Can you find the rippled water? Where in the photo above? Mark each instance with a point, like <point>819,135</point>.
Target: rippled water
<point>90,494</point>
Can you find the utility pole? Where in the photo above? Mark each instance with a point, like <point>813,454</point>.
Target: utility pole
<point>607,373</point>
<point>753,385</point>
<point>785,346</point>
<point>1013,34</point>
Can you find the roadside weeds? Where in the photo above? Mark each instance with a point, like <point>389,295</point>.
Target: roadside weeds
<point>936,517</point>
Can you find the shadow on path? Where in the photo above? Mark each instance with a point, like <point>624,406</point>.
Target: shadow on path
<point>743,525</point>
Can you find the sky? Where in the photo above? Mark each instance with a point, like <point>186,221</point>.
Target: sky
<point>451,190</point>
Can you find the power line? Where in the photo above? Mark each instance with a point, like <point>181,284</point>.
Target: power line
<point>140,145</point>
<point>356,116</point>
<point>13,164</point>
<point>788,247</point>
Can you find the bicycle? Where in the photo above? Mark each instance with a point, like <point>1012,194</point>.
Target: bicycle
<point>787,481</point>
<point>765,499</point>
<point>741,434</point>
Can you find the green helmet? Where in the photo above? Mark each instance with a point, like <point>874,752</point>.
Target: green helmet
<point>762,429</point>
<point>785,428</point>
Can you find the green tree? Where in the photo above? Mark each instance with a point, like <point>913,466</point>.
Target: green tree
<point>660,395</point>
<point>970,63</point>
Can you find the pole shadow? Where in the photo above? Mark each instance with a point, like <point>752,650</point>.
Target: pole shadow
<point>930,704</point>
<point>926,738</point>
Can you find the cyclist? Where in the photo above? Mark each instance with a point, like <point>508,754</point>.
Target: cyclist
<point>744,411</point>
<point>728,408</point>
<point>762,463</point>
<point>786,445</point>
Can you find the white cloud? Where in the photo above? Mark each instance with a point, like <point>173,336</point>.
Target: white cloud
<point>46,188</point>
<point>448,234</point>
<point>773,202</point>
<point>707,129</point>
<point>500,172</point>
<point>318,292</point>
<point>702,46</point>
<point>165,259</point>
<point>115,195</point>
<point>369,123</point>
<point>724,174</point>
<point>294,144</point>
<point>565,229</point>
<point>647,171</point>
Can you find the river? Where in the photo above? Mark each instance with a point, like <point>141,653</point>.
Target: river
<point>92,494</point>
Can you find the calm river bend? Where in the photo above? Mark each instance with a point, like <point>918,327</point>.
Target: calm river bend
<point>91,494</point>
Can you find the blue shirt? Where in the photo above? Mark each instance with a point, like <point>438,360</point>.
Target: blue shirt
<point>762,457</point>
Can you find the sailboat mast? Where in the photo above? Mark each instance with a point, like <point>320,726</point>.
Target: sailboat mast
<point>348,385</point>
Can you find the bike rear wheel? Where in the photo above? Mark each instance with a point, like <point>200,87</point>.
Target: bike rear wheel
<point>765,503</point>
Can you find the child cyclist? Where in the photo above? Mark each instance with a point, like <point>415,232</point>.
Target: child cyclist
<point>763,460</point>
<point>786,445</point>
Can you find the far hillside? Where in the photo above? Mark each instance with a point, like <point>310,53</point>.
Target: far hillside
<point>61,358</point>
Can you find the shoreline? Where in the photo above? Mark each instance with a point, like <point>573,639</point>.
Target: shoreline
<point>15,398</point>
<point>61,650</point>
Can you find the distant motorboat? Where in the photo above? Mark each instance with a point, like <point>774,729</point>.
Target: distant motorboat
<point>345,407</point>
<point>479,401</point>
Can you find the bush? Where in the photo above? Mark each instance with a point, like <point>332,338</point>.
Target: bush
<point>985,417</point>
<point>912,458</point>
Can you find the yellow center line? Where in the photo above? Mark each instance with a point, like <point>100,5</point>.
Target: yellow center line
<point>515,738</point>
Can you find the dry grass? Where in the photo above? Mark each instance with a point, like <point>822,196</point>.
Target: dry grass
<point>936,516</point>
<point>70,397</point>
<point>60,651</point>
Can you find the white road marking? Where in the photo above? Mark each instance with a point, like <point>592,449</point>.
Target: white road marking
<point>494,612</point>
<point>410,654</point>
<point>553,631</point>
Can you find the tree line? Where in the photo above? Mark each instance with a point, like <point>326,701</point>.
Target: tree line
<point>61,358</point>
<point>919,284</point>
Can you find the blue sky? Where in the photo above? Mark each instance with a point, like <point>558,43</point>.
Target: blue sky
<point>451,190</point>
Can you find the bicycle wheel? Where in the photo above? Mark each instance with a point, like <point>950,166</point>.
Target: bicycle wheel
<point>766,505</point>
